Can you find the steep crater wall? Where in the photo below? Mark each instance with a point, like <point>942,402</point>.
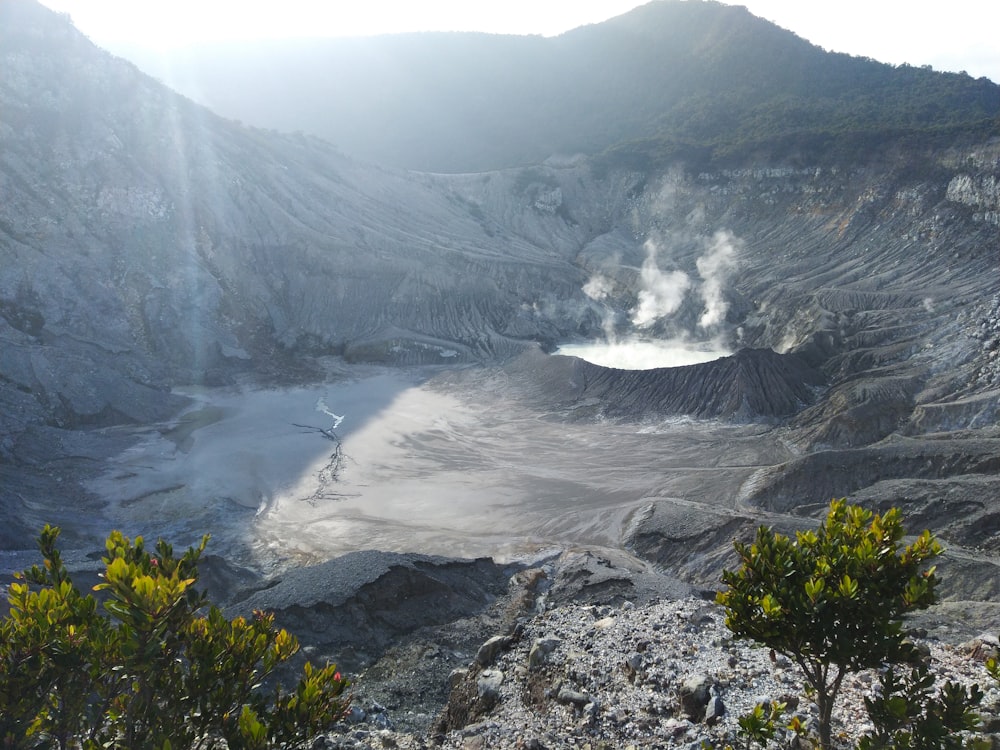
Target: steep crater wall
<point>750,385</point>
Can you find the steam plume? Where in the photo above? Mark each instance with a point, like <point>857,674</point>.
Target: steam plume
<point>661,294</point>
<point>714,267</point>
<point>598,288</point>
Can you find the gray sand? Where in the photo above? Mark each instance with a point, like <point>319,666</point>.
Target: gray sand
<point>458,470</point>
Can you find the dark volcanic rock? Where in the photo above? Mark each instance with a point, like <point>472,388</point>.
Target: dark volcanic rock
<point>353,607</point>
<point>830,474</point>
<point>751,384</point>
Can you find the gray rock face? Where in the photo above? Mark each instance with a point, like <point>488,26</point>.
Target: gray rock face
<point>715,709</point>
<point>573,698</point>
<point>694,695</point>
<point>981,192</point>
<point>360,603</point>
<point>488,683</point>
<point>487,653</point>
<point>540,650</point>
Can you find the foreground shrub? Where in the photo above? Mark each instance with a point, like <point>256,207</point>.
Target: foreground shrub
<point>163,669</point>
<point>831,600</point>
<point>908,715</point>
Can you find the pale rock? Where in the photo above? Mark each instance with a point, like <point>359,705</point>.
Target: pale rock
<point>487,653</point>
<point>488,684</point>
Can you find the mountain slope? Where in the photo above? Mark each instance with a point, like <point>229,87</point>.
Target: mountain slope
<point>146,243</point>
<point>686,74</point>
<point>148,206</point>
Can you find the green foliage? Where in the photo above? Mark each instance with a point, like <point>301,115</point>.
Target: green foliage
<point>993,667</point>
<point>907,715</point>
<point>49,646</point>
<point>760,725</point>
<point>831,600</point>
<point>157,671</point>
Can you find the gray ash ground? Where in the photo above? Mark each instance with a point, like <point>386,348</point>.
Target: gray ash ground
<point>610,676</point>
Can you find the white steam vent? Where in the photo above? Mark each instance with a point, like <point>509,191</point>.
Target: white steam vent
<point>645,355</point>
<point>660,295</point>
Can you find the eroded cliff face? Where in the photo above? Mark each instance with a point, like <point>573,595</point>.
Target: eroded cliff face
<point>147,244</point>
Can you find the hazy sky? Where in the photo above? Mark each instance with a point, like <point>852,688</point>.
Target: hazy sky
<point>953,35</point>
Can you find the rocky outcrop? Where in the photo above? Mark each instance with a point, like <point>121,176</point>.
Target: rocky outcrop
<point>664,674</point>
<point>353,608</point>
<point>563,670</point>
<point>981,192</point>
<point>751,384</point>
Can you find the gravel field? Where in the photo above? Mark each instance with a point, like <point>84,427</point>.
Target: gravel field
<point>613,677</point>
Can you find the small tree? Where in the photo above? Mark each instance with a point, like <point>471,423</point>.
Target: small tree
<point>157,672</point>
<point>831,600</point>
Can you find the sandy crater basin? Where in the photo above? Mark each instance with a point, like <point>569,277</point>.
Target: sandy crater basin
<point>454,465</point>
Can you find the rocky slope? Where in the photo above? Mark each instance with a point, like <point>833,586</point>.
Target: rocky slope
<point>581,650</point>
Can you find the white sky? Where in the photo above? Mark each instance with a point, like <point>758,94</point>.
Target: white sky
<point>953,35</point>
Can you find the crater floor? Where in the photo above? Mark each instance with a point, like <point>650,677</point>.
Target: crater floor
<point>455,463</point>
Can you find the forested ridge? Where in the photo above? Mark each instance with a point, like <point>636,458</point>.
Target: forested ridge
<point>700,80</point>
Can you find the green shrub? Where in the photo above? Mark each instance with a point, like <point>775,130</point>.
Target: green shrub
<point>831,600</point>
<point>907,715</point>
<point>760,725</point>
<point>159,671</point>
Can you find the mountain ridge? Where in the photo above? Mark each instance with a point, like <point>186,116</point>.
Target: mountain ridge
<point>703,79</point>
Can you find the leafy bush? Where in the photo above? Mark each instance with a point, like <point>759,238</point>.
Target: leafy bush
<point>157,672</point>
<point>760,725</point>
<point>908,716</point>
<point>831,600</point>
